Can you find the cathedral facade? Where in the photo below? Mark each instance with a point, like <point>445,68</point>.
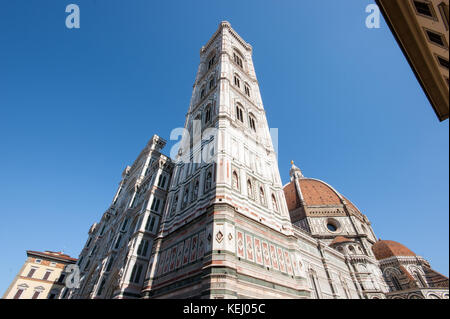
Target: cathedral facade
<point>217,222</point>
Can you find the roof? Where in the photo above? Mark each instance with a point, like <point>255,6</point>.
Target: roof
<point>388,248</point>
<point>340,239</point>
<point>315,193</point>
<point>52,255</point>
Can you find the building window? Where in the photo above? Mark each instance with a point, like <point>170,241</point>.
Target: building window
<point>31,272</point>
<point>38,261</point>
<point>212,83</point>
<point>396,283</point>
<point>47,274</point>
<point>53,294</point>
<point>119,239</point>
<point>195,193</point>
<point>262,198</point>
<point>208,114</point>
<point>435,38</point>
<point>155,204</point>
<point>247,90</point>
<point>208,181</point>
<point>237,81</point>
<point>100,289</point>
<point>150,223</point>
<point>136,274</point>
<point>423,8</point>
<point>162,181</point>
<point>235,180</point>
<point>239,114</point>
<point>274,203</point>
<point>237,59</point>
<point>202,92</point>
<point>443,62</point>
<point>185,197</point>
<point>419,277</point>
<point>61,278</point>
<point>174,204</point>
<point>249,189</point>
<point>143,247</point>
<point>252,122</point>
<point>110,263</point>
<point>211,62</point>
<point>18,293</point>
<point>87,265</point>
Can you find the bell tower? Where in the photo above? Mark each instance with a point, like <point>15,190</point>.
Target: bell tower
<point>226,230</point>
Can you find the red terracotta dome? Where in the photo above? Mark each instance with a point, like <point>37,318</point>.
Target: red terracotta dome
<point>315,193</point>
<point>388,248</point>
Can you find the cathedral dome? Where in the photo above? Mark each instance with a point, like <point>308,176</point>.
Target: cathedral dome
<point>388,248</point>
<point>313,192</point>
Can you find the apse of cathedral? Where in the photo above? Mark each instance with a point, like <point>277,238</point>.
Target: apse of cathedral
<point>216,221</point>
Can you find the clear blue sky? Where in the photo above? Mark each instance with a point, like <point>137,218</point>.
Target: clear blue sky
<point>77,106</point>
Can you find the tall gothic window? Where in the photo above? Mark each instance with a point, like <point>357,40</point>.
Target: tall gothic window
<point>396,283</point>
<point>208,114</point>
<point>211,62</point>
<point>235,180</point>
<point>262,198</point>
<point>195,193</point>
<point>420,279</point>
<point>252,122</point>
<point>247,90</point>
<point>274,203</point>
<point>249,189</point>
<point>237,81</point>
<point>185,196</point>
<point>237,59</point>
<point>239,113</point>
<point>212,83</point>
<point>203,92</point>
<point>208,181</point>
<point>174,203</point>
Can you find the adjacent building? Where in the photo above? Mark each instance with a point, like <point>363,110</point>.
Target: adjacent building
<point>41,277</point>
<point>217,222</point>
<point>421,30</point>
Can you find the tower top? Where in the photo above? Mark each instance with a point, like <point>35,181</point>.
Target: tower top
<point>225,25</point>
<point>295,172</point>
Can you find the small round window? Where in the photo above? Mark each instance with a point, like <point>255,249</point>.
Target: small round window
<point>331,227</point>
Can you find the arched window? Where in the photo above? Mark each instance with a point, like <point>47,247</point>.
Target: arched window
<point>249,188</point>
<point>274,203</point>
<point>211,61</point>
<point>202,92</point>
<point>237,81</point>
<point>247,89</point>
<point>174,203</point>
<point>235,180</point>
<point>252,122</point>
<point>237,58</point>
<point>185,196</point>
<point>239,113</point>
<point>396,283</point>
<point>208,181</point>
<point>212,83</point>
<point>208,114</point>
<point>195,193</point>
<point>419,278</point>
<point>262,198</point>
